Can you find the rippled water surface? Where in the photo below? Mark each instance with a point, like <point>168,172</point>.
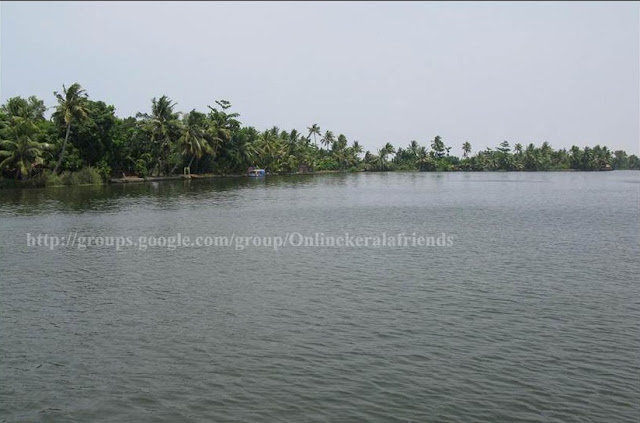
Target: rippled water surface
<point>532,314</point>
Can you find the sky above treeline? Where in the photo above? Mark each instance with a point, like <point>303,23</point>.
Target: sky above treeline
<point>566,73</point>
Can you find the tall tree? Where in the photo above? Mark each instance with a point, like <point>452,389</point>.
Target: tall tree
<point>438,147</point>
<point>163,128</point>
<point>315,131</point>
<point>466,149</point>
<point>620,160</point>
<point>327,139</point>
<point>32,108</point>
<point>93,136</point>
<point>71,107</point>
<point>414,147</point>
<point>194,140</point>
<point>383,153</point>
<point>517,148</point>
<point>357,148</point>
<point>424,160</point>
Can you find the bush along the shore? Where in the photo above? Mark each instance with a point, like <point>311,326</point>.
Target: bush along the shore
<point>84,142</point>
<point>84,176</point>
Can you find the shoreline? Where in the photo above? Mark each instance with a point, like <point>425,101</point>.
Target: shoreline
<point>137,179</point>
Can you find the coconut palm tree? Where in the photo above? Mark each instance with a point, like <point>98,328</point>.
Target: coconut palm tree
<point>389,148</point>
<point>370,161</point>
<point>71,107</point>
<point>357,147</point>
<point>414,147</point>
<point>423,160</point>
<point>605,157</point>
<point>466,149</point>
<point>271,150</point>
<point>340,152</point>
<point>241,150</point>
<point>576,157</point>
<point>588,159</point>
<point>356,150</point>
<point>293,138</point>
<point>164,128</point>
<point>382,157</point>
<point>341,157</point>
<point>383,153</point>
<point>438,146</point>
<point>531,158</point>
<point>246,152</point>
<point>517,148</point>
<point>314,130</point>
<point>328,139</point>
<point>194,140</point>
<point>20,148</point>
<point>341,143</point>
<point>221,125</point>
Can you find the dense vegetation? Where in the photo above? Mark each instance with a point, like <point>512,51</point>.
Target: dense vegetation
<point>85,142</point>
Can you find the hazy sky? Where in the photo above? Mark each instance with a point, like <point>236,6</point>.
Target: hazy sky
<point>567,73</point>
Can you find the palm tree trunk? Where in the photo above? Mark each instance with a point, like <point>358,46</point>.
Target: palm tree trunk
<point>64,147</point>
<point>176,165</point>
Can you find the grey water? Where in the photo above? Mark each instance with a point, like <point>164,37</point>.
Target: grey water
<point>532,314</point>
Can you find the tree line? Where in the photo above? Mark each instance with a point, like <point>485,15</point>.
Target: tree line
<point>85,140</point>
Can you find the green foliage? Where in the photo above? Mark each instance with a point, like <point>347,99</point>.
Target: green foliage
<point>71,108</point>
<point>161,129</point>
<point>31,109</point>
<point>85,176</point>
<point>94,135</point>
<point>50,179</point>
<point>88,143</point>
<point>21,149</point>
<point>144,165</point>
<point>104,170</point>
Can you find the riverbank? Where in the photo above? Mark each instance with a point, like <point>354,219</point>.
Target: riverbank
<point>134,179</point>
<point>49,182</point>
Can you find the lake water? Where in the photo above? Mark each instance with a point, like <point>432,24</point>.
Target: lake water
<point>531,314</point>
